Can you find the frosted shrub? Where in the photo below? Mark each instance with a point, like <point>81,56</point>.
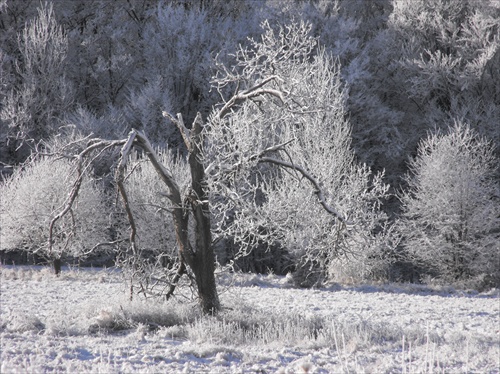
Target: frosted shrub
<point>447,49</point>
<point>34,195</point>
<point>112,123</point>
<point>451,211</point>
<point>25,323</point>
<point>144,111</point>
<point>150,202</point>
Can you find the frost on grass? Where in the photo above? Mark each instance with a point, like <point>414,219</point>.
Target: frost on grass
<point>84,322</point>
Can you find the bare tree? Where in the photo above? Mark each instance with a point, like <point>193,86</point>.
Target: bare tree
<point>33,107</point>
<point>273,88</point>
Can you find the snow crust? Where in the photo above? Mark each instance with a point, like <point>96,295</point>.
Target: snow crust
<point>50,324</point>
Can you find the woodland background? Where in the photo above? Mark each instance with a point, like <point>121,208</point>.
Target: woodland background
<point>420,88</point>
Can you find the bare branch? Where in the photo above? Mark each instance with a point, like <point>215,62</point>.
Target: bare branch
<point>69,203</point>
<point>131,171</point>
<point>163,173</point>
<point>250,93</point>
<point>134,139</point>
<point>75,142</point>
<point>318,191</point>
<point>105,243</point>
<point>179,122</point>
<point>121,187</point>
<point>180,272</point>
<point>274,148</point>
<point>93,144</point>
<point>263,83</point>
<point>179,208</point>
<point>159,208</point>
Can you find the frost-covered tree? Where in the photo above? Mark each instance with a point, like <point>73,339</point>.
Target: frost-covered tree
<point>32,200</point>
<point>281,128</point>
<point>273,159</point>
<point>157,256</point>
<point>179,44</point>
<point>106,51</point>
<point>41,94</point>
<point>451,211</point>
<point>421,70</point>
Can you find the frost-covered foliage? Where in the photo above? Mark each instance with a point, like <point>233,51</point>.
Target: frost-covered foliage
<point>105,67</point>
<point>446,48</point>
<point>41,93</point>
<point>106,50</point>
<point>181,45</point>
<point>34,195</point>
<point>253,200</point>
<point>142,57</point>
<point>132,56</point>
<point>451,212</point>
<point>112,123</point>
<point>419,71</point>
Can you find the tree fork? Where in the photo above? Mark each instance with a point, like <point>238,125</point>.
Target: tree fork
<point>201,258</point>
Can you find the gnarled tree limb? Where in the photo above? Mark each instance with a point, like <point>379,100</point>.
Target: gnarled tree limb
<point>252,92</point>
<point>73,194</point>
<point>317,189</point>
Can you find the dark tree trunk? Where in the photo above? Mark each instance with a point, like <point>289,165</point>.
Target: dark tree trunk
<point>203,262</point>
<point>199,256</point>
<point>201,259</point>
<point>57,266</point>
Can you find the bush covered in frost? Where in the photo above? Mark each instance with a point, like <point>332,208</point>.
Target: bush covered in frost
<point>451,210</point>
<point>35,194</point>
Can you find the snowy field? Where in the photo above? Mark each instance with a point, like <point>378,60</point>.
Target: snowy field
<point>83,322</point>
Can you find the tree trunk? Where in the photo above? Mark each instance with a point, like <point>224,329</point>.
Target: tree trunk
<point>202,261</point>
<point>56,263</point>
<point>200,255</point>
<point>207,288</point>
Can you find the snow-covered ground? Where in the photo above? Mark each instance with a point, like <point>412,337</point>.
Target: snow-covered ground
<point>84,322</point>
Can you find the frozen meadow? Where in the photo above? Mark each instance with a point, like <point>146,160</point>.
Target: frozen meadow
<point>84,322</point>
